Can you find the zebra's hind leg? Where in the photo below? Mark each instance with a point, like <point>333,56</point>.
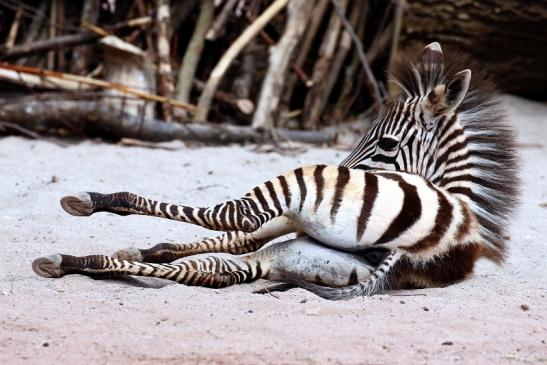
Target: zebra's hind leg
<point>214,271</point>
<point>231,242</point>
<point>302,257</point>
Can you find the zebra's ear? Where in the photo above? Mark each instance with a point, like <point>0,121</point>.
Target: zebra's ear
<point>457,89</point>
<point>432,54</point>
<point>446,98</point>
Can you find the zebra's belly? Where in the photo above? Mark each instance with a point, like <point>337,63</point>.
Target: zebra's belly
<point>399,214</point>
<point>345,232</point>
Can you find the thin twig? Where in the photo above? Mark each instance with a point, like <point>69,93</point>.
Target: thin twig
<point>99,83</point>
<point>220,21</point>
<point>63,41</point>
<point>371,81</point>
<point>193,52</point>
<point>12,35</point>
<point>204,104</point>
<point>24,131</point>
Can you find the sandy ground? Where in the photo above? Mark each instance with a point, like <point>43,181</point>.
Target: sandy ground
<point>499,316</point>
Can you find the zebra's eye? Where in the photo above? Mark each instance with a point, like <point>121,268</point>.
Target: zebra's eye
<point>388,143</point>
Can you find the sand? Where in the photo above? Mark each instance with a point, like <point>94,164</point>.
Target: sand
<point>498,316</point>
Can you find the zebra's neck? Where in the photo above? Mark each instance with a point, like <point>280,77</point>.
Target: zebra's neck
<point>475,160</point>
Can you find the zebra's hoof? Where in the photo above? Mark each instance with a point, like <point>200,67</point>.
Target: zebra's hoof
<point>128,254</point>
<point>48,266</point>
<point>79,204</point>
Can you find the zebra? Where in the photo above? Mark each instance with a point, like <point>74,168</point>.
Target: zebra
<point>427,192</point>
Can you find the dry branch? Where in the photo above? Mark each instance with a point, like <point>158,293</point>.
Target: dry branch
<point>40,115</point>
<point>24,70</point>
<point>343,49</point>
<point>66,40</point>
<point>192,56</point>
<point>14,29</point>
<point>166,87</point>
<point>316,18</point>
<point>218,26</point>
<point>50,60</point>
<point>280,55</point>
<point>244,105</point>
<point>208,93</point>
<point>314,103</point>
<point>245,74</point>
<point>90,14</point>
<point>369,76</point>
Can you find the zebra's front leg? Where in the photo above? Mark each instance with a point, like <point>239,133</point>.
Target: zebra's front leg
<point>230,242</point>
<point>265,202</point>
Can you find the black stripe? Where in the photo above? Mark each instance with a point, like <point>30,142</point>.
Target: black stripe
<point>161,207</point>
<point>341,182</point>
<point>442,222</point>
<point>370,192</point>
<point>319,184</point>
<point>410,211</point>
<point>265,207</point>
<point>299,173</point>
<point>188,212</point>
<point>286,192</point>
<point>232,206</point>
<point>173,210</point>
<point>201,215</point>
<point>223,214</point>
<point>273,195</point>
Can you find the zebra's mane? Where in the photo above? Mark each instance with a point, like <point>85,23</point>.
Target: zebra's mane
<point>491,141</point>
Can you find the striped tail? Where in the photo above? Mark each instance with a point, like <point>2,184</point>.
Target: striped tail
<point>376,283</point>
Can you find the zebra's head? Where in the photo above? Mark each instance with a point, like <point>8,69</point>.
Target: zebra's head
<point>407,134</point>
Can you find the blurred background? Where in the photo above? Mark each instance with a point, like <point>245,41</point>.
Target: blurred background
<point>220,71</point>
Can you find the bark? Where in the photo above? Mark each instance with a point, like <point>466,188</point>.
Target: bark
<point>507,37</point>
<point>193,52</point>
<point>40,115</point>
<point>280,55</point>
<point>166,86</point>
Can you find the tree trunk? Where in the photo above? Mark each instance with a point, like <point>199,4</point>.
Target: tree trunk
<point>273,85</point>
<point>83,116</point>
<point>506,37</point>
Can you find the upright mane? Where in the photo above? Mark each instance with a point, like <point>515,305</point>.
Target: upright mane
<point>494,183</point>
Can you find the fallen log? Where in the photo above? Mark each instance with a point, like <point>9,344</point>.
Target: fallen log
<point>91,116</point>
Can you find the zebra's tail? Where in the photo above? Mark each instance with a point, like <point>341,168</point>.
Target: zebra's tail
<point>375,284</point>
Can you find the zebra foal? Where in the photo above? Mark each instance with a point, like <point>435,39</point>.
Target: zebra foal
<point>431,185</point>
